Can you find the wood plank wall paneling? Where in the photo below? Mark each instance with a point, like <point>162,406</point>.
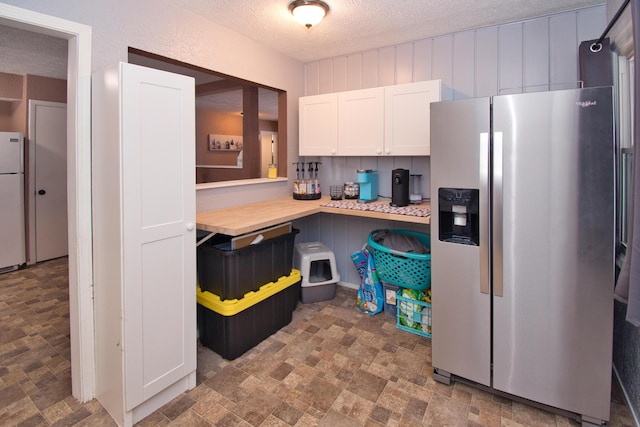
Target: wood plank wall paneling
<point>354,71</point>
<point>422,60</point>
<point>564,38</point>
<point>521,55</point>
<point>486,47</point>
<point>369,70</point>
<point>538,54</point>
<point>510,79</point>
<point>340,74</point>
<point>404,64</point>
<point>387,75</point>
<point>442,64</point>
<point>464,64</point>
<point>536,59</point>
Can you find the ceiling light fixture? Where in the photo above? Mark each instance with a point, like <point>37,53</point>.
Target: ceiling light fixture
<point>308,12</point>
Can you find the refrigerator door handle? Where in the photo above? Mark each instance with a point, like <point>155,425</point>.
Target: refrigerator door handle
<point>497,214</point>
<point>484,213</point>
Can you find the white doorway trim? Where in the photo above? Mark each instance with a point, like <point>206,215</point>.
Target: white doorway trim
<point>78,186</point>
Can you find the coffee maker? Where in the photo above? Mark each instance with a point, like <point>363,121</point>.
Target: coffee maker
<point>368,180</point>
<point>400,187</point>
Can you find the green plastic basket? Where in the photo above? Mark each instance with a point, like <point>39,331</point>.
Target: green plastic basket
<point>413,315</point>
<point>404,269</point>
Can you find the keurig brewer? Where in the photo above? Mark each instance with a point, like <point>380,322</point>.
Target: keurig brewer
<point>368,181</point>
<point>400,187</point>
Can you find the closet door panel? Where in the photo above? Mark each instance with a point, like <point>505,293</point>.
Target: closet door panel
<point>158,196</point>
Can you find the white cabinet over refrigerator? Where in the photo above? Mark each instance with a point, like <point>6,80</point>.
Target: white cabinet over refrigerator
<point>144,239</point>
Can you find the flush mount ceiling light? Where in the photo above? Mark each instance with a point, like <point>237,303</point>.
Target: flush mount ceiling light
<point>308,12</point>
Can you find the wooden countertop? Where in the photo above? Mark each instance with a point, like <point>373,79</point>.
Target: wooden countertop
<point>256,216</point>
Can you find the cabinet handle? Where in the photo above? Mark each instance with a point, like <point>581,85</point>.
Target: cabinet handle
<point>333,152</point>
<point>378,151</point>
<point>190,226</point>
<point>388,151</point>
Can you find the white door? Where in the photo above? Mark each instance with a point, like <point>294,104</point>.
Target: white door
<point>48,142</point>
<point>158,195</point>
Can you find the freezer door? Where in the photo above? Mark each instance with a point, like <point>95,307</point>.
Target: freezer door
<point>554,253</point>
<point>461,341</point>
<point>11,157</point>
<point>12,233</point>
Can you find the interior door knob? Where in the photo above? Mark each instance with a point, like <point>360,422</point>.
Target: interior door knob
<point>41,192</point>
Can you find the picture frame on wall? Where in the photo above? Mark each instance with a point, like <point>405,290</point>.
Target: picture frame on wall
<point>225,142</point>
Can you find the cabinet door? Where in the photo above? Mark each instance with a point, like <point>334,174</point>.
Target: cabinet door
<point>318,125</point>
<point>407,117</point>
<point>158,211</point>
<point>361,122</point>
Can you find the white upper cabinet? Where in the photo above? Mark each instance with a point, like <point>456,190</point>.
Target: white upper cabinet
<point>389,121</point>
<point>319,125</point>
<point>361,122</point>
<point>407,118</point>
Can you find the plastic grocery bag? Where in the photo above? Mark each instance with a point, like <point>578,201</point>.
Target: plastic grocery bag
<point>370,296</point>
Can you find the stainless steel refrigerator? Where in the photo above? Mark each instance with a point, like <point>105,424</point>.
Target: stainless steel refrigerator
<point>522,246</point>
<point>12,214</point>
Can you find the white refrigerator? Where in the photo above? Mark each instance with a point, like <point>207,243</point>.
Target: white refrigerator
<point>12,215</point>
<point>523,246</point>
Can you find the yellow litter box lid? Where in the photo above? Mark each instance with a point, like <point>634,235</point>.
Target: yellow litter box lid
<point>231,307</point>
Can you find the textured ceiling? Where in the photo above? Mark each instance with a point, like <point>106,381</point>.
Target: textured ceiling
<point>24,52</point>
<point>359,25</point>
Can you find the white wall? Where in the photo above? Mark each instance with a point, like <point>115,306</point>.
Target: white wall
<point>535,55</point>
<point>159,27</point>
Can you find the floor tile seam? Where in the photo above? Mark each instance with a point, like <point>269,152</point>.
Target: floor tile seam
<point>10,414</point>
<point>40,411</point>
<point>233,408</point>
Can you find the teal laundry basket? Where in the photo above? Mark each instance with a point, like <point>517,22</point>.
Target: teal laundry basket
<point>404,269</point>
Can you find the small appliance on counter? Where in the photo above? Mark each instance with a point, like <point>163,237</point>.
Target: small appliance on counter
<point>306,188</point>
<point>415,196</point>
<point>368,181</point>
<point>399,187</point>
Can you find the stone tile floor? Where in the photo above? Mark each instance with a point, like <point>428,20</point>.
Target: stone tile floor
<point>332,366</point>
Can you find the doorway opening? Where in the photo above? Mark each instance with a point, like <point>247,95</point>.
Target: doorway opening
<point>78,120</point>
